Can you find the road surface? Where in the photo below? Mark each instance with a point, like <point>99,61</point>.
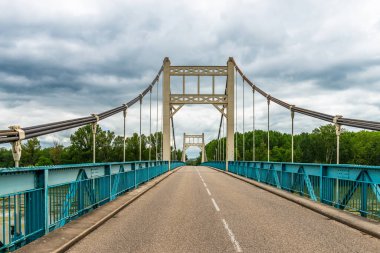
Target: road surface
<point>198,209</point>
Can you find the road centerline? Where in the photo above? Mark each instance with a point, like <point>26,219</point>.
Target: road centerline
<point>215,205</point>
<point>232,237</point>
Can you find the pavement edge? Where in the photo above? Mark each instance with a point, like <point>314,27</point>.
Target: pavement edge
<point>79,237</point>
<point>364,225</point>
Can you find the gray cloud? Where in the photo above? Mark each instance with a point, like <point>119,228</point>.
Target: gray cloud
<point>71,59</point>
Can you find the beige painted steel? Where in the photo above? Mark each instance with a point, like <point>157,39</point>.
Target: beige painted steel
<point>194,140</point>
<point>220,101</point>
<point>198,71</point>
<point>230,147</point>
<point>216,99</point>
<point>166,111</point>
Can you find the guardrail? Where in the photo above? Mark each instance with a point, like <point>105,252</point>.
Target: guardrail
<point>37,200</point>
<point>353,188</point>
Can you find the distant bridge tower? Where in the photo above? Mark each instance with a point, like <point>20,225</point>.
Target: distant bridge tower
<point>193,140</point>
<point>224,103</point>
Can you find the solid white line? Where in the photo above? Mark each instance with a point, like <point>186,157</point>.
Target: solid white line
<point>215,205</point>
<point>232,237</point>
<point>209,193</point>
<point>205,184</point>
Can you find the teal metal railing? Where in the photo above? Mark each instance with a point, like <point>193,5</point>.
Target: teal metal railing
<point>353,188</point>
<point>37,200</point>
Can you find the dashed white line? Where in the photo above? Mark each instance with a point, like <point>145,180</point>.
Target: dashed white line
<point>229,231</point>
<point>232,237</point>
<point>215,205</point>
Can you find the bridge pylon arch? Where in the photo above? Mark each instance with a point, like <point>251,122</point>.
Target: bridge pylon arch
<point>224,103</point>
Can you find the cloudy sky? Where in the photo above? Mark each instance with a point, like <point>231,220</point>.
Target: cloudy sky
<point>65,59</point>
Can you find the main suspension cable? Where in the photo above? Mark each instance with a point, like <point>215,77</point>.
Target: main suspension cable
<point>364,124</point>
<point>43,129</point>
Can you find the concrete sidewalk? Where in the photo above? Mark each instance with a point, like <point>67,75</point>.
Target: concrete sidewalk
<point>63,238</point>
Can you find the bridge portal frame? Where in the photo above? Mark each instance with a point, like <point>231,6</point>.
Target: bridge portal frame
<point>172,103</point>
<point>194,140</point>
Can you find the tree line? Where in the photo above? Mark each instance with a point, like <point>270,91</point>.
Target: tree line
<point>319,146</point>
<point>109,148</point>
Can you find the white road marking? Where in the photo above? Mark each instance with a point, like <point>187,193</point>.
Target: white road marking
<point>232,237</point>
<point>215,205</point>
<point>230,234</point>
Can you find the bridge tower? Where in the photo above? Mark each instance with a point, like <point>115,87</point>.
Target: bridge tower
<point>194,140</point>
<point>224,103</point>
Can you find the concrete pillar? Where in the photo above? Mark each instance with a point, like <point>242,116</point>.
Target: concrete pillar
<point>230,112</point>
<point>166,111</point>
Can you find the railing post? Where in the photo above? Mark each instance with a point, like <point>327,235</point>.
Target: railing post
<point>94,128</point>
<point>338,132</point>
<point>107,172</point>
<point>321,184</point>
<point>135,171</point>
<point>363,201</point>
<point>16,152</point>
<point>292,117</point>
<point>283,169</point>
<point>46,200</point>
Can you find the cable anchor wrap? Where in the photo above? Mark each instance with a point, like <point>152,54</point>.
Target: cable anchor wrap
<point>16,145</point>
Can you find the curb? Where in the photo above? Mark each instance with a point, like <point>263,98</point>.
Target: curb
<point>369,227</point>
<point>79,237</point>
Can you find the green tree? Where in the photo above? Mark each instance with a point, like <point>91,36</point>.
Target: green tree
<point>6,158</point>
<point>81,145</point>
<point>30,152</point>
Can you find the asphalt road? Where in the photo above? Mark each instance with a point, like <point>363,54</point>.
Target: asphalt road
<point>198,209</point>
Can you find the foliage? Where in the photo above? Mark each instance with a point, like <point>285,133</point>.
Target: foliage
<point>109,148</point>
<point>319,146</point>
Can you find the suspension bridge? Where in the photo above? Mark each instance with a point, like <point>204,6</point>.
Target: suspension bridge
<point>162,205</point>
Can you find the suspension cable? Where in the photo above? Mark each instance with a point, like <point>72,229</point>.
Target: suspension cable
<point>161,125</point>
<point>364,124</point>
<point>253,127</point>
<point>243,124</point>
<point>173,132</point>
<point>268,101</point>
<point>43,129</point>
<point>150,125</point>
<point>236,118</point>
<point>158,84</point>
<point>292,119</point>
<point>223,143</point>
<point>140,144</point>
<point>124,134</point>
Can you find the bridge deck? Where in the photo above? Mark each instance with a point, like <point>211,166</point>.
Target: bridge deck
<point>179,215</point>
